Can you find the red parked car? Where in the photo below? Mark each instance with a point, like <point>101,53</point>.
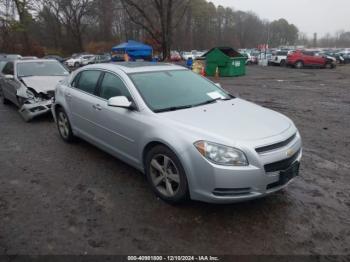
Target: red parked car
<point>301,58</point>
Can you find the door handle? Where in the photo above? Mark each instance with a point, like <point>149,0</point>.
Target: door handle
<point>68,95</point>
<point>97,107</point>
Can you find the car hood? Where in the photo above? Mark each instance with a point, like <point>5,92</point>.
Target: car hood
<point>42,84</point>
<point>235,120</point>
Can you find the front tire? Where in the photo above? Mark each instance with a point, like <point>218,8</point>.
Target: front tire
<point>4,100</point>
<point>166,175</point>
<point>64,126</point>
<point>299,65</point>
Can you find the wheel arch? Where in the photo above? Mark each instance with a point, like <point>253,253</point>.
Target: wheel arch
<point>54,110</point>
<point>152,144</point>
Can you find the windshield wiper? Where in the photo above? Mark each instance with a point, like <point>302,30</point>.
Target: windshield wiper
<point>208,102</point>
<point>25,76</point>
<point>174,108</point>
<point>211,101</point>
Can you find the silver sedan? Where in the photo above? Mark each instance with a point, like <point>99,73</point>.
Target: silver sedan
<point>30,85</point>
<point>190,137</point>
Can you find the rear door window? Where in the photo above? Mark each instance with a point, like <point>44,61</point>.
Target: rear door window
<point>88,81</point>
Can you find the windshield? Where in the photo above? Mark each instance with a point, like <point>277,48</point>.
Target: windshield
<point>47,68</point>
<point>178,89</point>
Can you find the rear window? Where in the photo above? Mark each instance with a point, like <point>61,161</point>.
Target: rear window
<point>41,68</point>
<point>282,53</point>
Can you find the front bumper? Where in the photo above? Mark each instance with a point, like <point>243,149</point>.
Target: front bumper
<point>31,110</point>
<point>220,184</point>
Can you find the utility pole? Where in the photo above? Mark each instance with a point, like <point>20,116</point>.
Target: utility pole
<point>315,39</point>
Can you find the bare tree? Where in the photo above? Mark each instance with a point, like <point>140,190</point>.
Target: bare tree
<point>157,18</point>
<point>21,8</point>
<point>75,15</point>
<point>68,26</point>
<point>7,13</point>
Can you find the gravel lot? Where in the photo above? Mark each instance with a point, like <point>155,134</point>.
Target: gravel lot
<point>75,199</point>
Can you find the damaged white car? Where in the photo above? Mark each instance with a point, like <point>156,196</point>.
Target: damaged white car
<point>30,84</point>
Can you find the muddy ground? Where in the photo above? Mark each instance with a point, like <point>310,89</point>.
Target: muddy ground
<point>75,199</point>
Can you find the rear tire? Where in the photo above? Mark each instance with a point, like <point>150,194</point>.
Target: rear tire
<point>283,63</point>
<point>166,175</point>
<point>330,66</point>
<point>64,126</point>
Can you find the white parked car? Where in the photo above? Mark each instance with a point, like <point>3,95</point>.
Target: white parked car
<point>249,60</point>
<point>187,55</point>
<point>194,54</point>
<point>197,54</point>
<point>81,60</point>
<point>279,58</point>
<point>30,85</point>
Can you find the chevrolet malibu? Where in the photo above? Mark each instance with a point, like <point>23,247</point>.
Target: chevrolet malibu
<point>191,138</point>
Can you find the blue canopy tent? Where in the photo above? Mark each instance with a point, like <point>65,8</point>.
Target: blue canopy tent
<point>135,50</point>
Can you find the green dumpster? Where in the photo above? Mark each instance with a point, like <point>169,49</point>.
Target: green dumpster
<point>226,60</point>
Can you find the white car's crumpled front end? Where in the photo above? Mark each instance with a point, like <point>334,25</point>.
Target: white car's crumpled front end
<point>36,97</point>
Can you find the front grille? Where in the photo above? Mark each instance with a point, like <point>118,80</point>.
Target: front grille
<point>231,191</point>
<point>264,149</point>
<point>281,165</point>
<point>37,109</point>
<point>50,94</point>
<point>47,96</point>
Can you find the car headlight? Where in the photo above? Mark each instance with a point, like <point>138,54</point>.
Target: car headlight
<point>221,155</point>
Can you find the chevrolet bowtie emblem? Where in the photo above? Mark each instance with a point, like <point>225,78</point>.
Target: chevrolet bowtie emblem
<point>290,152</point>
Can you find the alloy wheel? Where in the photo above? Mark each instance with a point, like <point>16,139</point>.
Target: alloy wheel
<point>63,125</point>
<point>299,65</point>
<point>165,175</point>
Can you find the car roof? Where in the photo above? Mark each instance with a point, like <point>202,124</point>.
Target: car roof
<point>137,67</point>
<point>34,61</point>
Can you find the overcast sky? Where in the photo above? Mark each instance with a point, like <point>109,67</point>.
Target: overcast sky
<point>310,16</point>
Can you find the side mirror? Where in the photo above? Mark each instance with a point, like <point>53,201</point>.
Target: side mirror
<point>120,101</point>
<point>9,77</point>
<point>218,85</point>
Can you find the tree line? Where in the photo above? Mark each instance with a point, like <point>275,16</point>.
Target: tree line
<point>35,27</point>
